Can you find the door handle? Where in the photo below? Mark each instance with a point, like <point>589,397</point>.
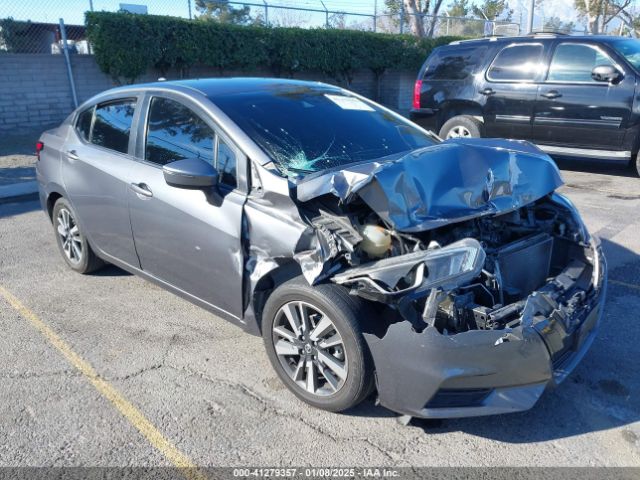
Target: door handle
<point>551,94</point>
<point>141,189</point>
<point>72,155</point>
<point>487,91</point>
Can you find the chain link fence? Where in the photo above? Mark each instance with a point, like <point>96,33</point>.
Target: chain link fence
<point>444,25</point>
<point>34,26</point>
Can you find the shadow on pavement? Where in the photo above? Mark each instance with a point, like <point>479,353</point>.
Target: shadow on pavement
<point>602,167</point>
<point>11,175</point>
<point>111,271</point>
<point>15,207</point>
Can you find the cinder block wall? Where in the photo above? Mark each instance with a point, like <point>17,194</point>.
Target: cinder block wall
<point>35,91</point>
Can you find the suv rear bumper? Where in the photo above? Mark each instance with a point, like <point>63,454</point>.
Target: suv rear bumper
<point>427,118</point>
<point>478,372</point>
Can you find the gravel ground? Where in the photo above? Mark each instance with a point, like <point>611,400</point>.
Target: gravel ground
<point>210,391</point>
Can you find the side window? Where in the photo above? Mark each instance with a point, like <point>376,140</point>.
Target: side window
<point>455,63</point>
<point>112,125</point>
<point>517,63</point>
<point>83,124</point>
<point>573,63</point>
<point>174,132</point>
<point>226,164</point>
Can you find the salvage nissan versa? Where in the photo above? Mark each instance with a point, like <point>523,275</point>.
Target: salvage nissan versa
<point>448,276</point>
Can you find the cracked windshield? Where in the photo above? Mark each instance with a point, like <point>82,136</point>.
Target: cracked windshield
<point>307,130</point>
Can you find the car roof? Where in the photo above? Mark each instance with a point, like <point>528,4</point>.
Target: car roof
<point>219,87</point>
<point>540,36</point>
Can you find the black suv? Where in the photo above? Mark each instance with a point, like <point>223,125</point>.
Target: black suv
<point>571,96</point>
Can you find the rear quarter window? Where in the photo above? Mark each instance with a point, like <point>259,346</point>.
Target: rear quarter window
<point>456,63</point>
<point>83,124</point>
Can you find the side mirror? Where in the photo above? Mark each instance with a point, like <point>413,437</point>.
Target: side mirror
<point>606,73</point>
<point>190,173</point>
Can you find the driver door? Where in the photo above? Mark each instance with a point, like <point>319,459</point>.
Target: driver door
<point>188,238</point>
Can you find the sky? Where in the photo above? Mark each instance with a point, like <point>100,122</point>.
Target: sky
<point>73,10</point>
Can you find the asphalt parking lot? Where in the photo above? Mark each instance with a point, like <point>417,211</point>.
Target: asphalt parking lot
<point>108,370</point>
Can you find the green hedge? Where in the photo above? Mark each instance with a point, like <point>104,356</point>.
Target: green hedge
<point>127,45</point>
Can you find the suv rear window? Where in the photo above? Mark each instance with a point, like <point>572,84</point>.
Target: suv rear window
<point>454,63</point>
<point>517,63</point>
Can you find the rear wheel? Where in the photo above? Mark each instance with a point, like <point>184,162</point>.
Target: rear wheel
<point>314,342</point>
<point>634,164</point>
<point>461,126</point>
<point>73,245</point>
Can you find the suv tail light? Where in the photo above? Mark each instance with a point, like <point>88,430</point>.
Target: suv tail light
<point>417,89</point>
<point>39,147</point>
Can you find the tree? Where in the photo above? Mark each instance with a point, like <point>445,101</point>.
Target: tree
<point>338,20</point>
<point>554,24</point>
<point>459,8</point>
<point>414,14</point>
<point>598,13</point>
<point>493,10</point>
<point>221,11</point>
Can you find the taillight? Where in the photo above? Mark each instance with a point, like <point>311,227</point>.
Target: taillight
<point>39,147</point>
<point>417,90</point>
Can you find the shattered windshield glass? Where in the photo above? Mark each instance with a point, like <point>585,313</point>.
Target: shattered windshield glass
<point>309,129</point>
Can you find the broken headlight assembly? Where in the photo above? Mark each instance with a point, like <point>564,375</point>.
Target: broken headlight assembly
<point>455,264</point>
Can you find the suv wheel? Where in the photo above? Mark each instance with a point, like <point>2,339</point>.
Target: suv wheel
<point>73,245</point>
<point>462,126</point>
<point>634,164</point>
<point>315,344</point>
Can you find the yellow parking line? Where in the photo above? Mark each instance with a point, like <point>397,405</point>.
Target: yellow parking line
<point>126,408</point>
<point>625,284</point>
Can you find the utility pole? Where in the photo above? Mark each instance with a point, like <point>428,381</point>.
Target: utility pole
<point>401,17</point>
<point>266,12</point>
<point>67,60</point>
<point>375,14</point>
<point>532,8</point>
<point>326,15</point>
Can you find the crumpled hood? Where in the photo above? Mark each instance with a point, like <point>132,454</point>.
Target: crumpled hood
<point>446,183</point>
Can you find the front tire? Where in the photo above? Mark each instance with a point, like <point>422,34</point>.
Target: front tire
<point>461,126</point>
<point>314,342</point>
<point>72,243</point>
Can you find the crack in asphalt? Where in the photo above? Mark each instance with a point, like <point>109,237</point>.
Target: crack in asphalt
<point>30,375</point>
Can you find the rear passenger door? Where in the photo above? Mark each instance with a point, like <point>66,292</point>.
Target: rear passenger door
<point>573,110</point>
<point>95,169</point>
<point>511,88</point>
<point>188,238</point>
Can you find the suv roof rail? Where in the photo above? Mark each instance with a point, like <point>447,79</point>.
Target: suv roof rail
<point>546,33</point>
<point>490,38</point>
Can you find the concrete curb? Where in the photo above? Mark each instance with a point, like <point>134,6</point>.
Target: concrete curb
<point>18,191</point>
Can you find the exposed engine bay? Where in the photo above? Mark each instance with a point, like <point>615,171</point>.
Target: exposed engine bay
<point>481,284</point>
<point>490,272</point>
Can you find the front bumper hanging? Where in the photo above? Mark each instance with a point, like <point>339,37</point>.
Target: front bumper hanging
<point>482,372</point>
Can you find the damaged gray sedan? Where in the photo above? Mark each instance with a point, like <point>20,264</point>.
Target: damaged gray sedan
<point>449,277</point>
